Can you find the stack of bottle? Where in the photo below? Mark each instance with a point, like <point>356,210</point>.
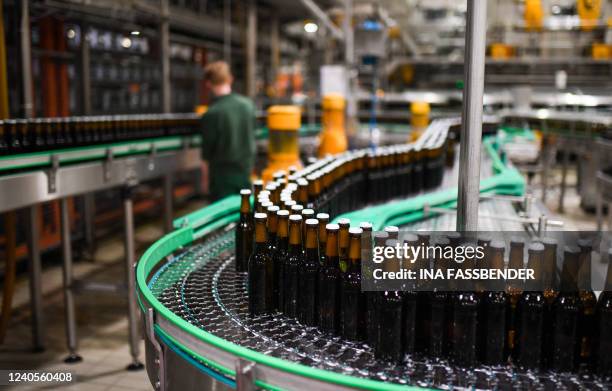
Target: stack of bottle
<point>309,269</point>
<point>43,134</point>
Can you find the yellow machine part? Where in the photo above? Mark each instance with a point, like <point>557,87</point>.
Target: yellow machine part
<point>601,51</point>
<point>201,109</point>
<point>394,32</point>
<point>332,139</point>
<point>283,141</point>
<point>419,118</point>
<point>589,11</point>
<point>501,51</point>
<point>534,14</point>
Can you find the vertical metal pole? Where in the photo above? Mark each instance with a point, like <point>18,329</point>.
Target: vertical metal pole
<point>471,129</point>
<point>227,32</point>
<point>130,263</point>
<point>164,43</point>
<point>251,48</point>
<point>349,63</point>
<point>34,267</point>
<point>4,104</point>
<point>274,48</point>
<point>85,71</point>
<point>26,60</point>
<point>565,163</point>
<point>89,211</point>
<point>71,335</point>
<point>168,203</point>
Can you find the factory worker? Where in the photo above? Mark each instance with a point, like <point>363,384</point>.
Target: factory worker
<point>228,134</point>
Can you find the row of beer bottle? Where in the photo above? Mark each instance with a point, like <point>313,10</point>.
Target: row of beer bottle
<point>42,134</point>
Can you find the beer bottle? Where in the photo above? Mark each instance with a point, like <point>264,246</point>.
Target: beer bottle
<point>514,290</point>
<point>272,248</point>
<point>309,270</point>
<point>372,296</point>
<point>343,243</point>
<point>424,287</point>
<point>549,284</point>
<point>24,134</point>
<point>588,303</point>
<point>291,268</point>
<point>306,214</point>
<point>352,305</point>
<point>329,283</point>
<point>302,194</point>
<point>323,219</point>
<point>282,253</point>
<point>244,232</point>
<point>565,311</point>
<point>530,319</point>
<point>465,323</point>
<point>410,300</point>
<point>603,326</point>
<point>493,314</point>
<point>438,316</point>
<point>257,188</point>
<point>389,344</point>
<point>260,276</point>
<point>40,129</point>
<point>392,231</point>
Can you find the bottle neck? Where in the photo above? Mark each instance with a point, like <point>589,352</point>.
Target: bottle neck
<point>354,254</point>
<point>343,238</point>
<point>295,237</point>
<point>311,238</point>
<point>272,224</point>
<point>283,229</point>
<point>261,233</point>
<point>331,246</point>
<point>245,205</point>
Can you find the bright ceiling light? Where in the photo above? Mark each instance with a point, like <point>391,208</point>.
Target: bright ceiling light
<point>311,27</point>
<point>126,42</point>
<point>135,33</point>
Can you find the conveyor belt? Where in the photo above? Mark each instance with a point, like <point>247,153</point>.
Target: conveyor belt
<point>201,286</point>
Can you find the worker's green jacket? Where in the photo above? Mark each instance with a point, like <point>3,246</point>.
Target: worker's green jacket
<point>228,144</point>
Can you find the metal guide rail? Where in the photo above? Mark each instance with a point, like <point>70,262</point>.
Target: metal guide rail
<point>194,307</point>
<point>47,176</point>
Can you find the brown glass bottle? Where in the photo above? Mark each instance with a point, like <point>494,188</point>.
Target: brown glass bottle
<point>323,219</point>
<point>260,271</point>
<point>530,317</point>
<point>372,297</point>
<point>588,302</point>
<point>438,315</point>
<point>329,283</point>
<point>493,310</point>
<point>514,290</point>
<point>272,248</point>
<point>343,243</point>
<point>306,214</point>
<point>389,344</point>
<point>565,311</point>
<point>309,273</point>
<point>352,302</point>
<point>282,253</point>
<point>244,232</point>
<point>4,138</point>
<point>550,287</point>
<point>257,188</point>
<point>466,305</point>
<point>291,267</point>
<point>410,301</point>
<point>603,326</point>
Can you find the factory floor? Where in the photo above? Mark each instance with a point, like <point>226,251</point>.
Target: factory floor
<point>102,322</point>
<point>101,319</point>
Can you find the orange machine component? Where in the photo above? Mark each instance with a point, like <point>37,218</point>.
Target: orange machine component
<point>589,11</point>
<point>419,119</point>
<point>534,14</point>
<point>333,135</point>
<point>501,51</point>
<point>283,141</point>
<point>601,51</point>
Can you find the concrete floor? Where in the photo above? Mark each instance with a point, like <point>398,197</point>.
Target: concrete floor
<point>101,318</point>
<point>102,323</point>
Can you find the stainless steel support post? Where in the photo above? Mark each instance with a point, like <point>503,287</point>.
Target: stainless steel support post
<point>89,209</point>
<point>34,267</point>
<point>71,332</point>
<point>274,48</point>
<point>598,209</point>
<point>609,216</point>
<point>245,375</point>
<point>471,129</point>
<point>130,264</point>
<point>26,60</point>
<point>227,32</point>
<point>251,48</point>
<point>164,39</point>
<point>349,63</point>
<point>85,71</point>
<point>564,164</point>
<point>168,203</point>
